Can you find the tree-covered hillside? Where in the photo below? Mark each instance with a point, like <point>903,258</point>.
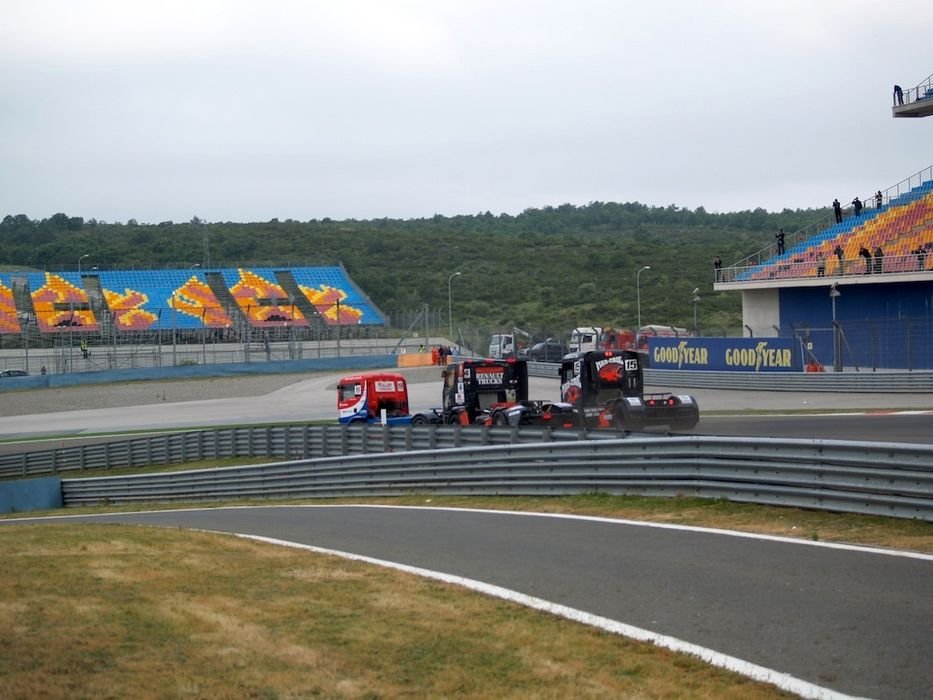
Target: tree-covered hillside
<point>551,268</point>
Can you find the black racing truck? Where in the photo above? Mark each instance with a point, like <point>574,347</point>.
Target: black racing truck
<point>495,392</point>
<point>607,389</point>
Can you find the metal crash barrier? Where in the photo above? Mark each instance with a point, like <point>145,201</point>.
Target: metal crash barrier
<point>340,461</point>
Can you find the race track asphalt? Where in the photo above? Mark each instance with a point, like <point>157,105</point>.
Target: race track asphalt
<point>855,621</point>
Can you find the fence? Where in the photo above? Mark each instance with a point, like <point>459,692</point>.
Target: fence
<point>343,461</point>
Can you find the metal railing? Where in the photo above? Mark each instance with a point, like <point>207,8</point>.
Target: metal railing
<point>277,441</point>
<point>923,91</point>
<point>732,273</point>
<point>869,478</point>
<point>829,269</point>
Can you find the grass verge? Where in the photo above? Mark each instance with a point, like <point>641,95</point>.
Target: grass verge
<point>108,611</point>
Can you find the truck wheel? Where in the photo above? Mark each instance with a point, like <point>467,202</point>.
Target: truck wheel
<point>500,418</point>
<point>624,420</point>
<point>419,419</point>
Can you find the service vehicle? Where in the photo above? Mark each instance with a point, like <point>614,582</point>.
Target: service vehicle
<point>607,389</point>
<point>495,392</point>
<point>550,350</point>
<point>377,397</point>
<point>584,338</point>
<point>504,346</point>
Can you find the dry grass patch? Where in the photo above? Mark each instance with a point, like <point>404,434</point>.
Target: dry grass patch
<point>96,611</point>
<point>895,533</point>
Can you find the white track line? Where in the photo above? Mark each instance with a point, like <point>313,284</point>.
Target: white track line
<point>783,681</point>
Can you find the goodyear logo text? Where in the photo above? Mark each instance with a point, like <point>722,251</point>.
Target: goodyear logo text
<point>681,354</point>
<point>760,357</point>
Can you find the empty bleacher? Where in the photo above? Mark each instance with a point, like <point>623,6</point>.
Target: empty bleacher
<point>9,321</point>
<point>161,299</point>
<point>124,301</point>
<point>329,289</point>
<point>263,301</point>
<point>60,302</point>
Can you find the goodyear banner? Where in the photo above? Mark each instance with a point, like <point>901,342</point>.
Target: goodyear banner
<point>729,354</point>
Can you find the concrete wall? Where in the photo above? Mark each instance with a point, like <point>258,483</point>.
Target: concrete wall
<point>761,311</point>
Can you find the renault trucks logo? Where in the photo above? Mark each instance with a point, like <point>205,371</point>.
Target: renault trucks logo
<point>760,356</point>
<point>489,377</point>
<point>681,354</point>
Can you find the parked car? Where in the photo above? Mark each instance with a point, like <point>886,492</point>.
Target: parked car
<point>14,373</point>
<point>551,350</point>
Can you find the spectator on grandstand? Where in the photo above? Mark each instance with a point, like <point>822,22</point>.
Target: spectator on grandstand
<point>780,241</point>
<point>879,199</point>
<point>863,251</point>
<point>898,94</point>
<point>837,210</point>
<point>839,255</point>
<point>921,254</point>
<point>717,267</point>
<point>879,260</point>
<point>820,265</point>
<point>857,203</point>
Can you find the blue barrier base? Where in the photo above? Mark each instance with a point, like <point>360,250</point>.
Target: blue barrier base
<point>30,494</point>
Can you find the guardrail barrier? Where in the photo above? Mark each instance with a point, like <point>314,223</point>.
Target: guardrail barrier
<point>837,475</point>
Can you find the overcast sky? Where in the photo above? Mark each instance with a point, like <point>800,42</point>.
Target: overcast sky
<point>241,110</point>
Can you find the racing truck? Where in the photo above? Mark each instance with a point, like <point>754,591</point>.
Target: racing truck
<point>607,389</point>
<point>495,392</point>
<point>362,398</point>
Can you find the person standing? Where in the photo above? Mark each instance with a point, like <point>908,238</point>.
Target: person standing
<point>857,203</point>
<point>879,260</point>
<point>780,241</point>
<point>879,199</point>
<point>864,252</point>
<point>717,267</point>
<point>898,95</point>
<point>84,348</point>
<point>840,255</point>
<point>837,210</point>
<point>820,264</point>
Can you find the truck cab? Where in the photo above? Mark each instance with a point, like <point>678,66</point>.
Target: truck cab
<point>584,338</point>
<point>502,346</point>
<point>362,398</point>
<point>495,392</point>
<point>607,388</point>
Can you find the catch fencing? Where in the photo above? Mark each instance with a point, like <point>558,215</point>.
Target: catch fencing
<point>870,478</point>
<point>918,382</point>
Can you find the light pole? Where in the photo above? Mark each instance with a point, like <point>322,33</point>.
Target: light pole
<point>86,255</point>
<point>837,336</point>
<point>450,315</point>
<point>638,291</point>
<point>696,300</point>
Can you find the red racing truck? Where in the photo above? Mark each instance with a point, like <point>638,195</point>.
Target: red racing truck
<point>607,389</point>
<point>361,398</point>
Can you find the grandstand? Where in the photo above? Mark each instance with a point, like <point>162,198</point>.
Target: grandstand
<point>132,303</point>
<point>856,294</point>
